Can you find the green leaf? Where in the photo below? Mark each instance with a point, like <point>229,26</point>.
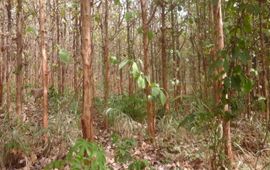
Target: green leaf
<point>135,70</point>
<point>64,56</point>
<point>141,82</point>
<point>155,91</point>
<point>235,52</point>
<point>244,57</point>
<point>247,86</point>
<point>123,63</point>
<point>162,97</point>
<point>236,81</point>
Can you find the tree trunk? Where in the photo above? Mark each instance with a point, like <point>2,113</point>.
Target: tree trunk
<point>106,54</point>
<point>219,45</point>
<point>129,53</point>
<point>86,51</point>
<point>19,58</point>
<point>44,63</point>
<point>75,55</point>
<point>150,105</point>
<point>8,89</point>
<point>2,67</point>
<point>164,56</point>
<point>59,65</point>
<point>265,67</point>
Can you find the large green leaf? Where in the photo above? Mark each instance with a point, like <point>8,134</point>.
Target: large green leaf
<point>141,82</point>
<point>135,70</point>
<point>162,97</point>
<point>155,91</point>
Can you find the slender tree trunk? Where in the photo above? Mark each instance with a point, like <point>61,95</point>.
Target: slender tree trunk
<point>44,62</point>
<point>75,53</point>
<point>219,45</point>
<point>86,51</point>
<point>129,53</point>
<point>59,65</point>
<point>150,105</point>
<point>121,70</point>
<point>19,59</point>
<point>164,56</point>
<point>8,89</point>
<point>2,67</point>
<point>106,54</point>
<point>263,57</point>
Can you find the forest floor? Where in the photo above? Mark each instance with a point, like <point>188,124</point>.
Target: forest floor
<point>22,147</point>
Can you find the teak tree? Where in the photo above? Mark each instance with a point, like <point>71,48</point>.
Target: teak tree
<point>86,51</point>
<point>42,45</point>
<point>19,58</point>
<point>150,104</point>
<point>219,45</point>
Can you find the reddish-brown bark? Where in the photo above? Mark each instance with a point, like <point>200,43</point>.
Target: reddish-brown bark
<point>86,51</point>
<point>44,62</point>
<point>150,105</point>
<point>219,45</point>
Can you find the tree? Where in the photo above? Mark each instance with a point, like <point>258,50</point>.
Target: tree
<point>8,57</point>
<point>42,45</point>
<point>150,104</point>
<point>86,51</point>
<point>163,53</point>
<point>219,45</point>
<point>19,58</point>
<point>106,53</point>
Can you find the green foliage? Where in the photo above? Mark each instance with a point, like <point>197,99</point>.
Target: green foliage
<point>123,148</point>
<point>135,70</point>
<point>83,155</point>
<point>201,114</point>
<point>157,93</point>
<point>31,30</point>
<point>150,35</point>
<point>123,63</point>
<point>143,80</point>
<point>138,165</point>
<point>117,2</point>
<point>133,106</point>
<point>64,55</point>
<point>129,16</point>
<point>114,60</point>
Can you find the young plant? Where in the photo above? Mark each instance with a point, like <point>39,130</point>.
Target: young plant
<point>83,155</point>
<point>123,148</point>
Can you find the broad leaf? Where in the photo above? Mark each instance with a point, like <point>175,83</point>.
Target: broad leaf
<point>162,97</point>
<point>123,63</point>
<point>135,70</point>
<point>141,82</point>
<point>155,91</point>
